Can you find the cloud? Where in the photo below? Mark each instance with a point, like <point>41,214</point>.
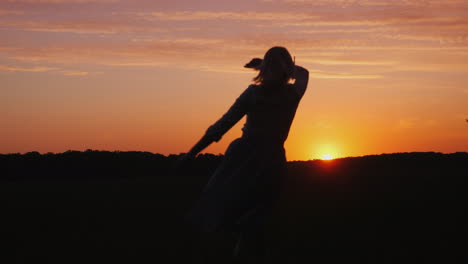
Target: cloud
<point>74,73</point>
<point>437,37</point>
<point>421,66</point>
<point>14,68</point>
<point>139,52</point>
<point>25,69</point>
<point>400,48</point>
<point>136,63</point>
<point>330,75</point>
<point>152,51</point>
<point>62,1</point>
<point>430,122</point>
<point>359,17</point>
<point>396,26</point>
<point>345,30</point>
<point>184,40</point>
<point>81,27</point>
<point>224,69</point>
<point>161,45</point>
<point>403,14</point>
<point>4,12</point>
<point>377,3</point>
<point>170,54</point>
<point>365,20</point>
<point>404,124</point>
<point>351,62</point>
<point>149,51</point>
<point>413,123</point>
<point>216,15</point>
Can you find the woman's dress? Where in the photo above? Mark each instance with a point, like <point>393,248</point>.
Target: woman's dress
<point>247,182</point>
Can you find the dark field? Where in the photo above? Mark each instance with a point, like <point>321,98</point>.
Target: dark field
<point>128,207</point>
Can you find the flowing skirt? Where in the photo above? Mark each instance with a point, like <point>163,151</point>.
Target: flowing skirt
<point>244,187</point>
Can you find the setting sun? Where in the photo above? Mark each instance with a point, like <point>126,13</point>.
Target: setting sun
<point>327,157</point>
<point>326,151</point>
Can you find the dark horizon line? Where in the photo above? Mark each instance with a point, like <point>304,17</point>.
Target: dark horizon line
<point>219,154</point>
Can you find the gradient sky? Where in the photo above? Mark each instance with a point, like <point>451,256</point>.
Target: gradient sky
<point>385,75</point>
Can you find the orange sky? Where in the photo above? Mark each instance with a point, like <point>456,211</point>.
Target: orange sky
<point>385,76</point>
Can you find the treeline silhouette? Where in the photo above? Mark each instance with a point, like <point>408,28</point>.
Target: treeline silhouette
<point>95,164</point>
<point>128,207</point>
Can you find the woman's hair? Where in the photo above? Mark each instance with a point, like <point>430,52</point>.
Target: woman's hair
<point>277,66</point>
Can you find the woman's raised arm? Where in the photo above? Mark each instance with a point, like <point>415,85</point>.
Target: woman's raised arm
<point>302,79</point>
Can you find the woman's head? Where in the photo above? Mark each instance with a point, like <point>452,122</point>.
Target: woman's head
<point>277,66</point>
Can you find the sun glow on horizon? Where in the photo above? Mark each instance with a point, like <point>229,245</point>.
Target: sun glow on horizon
<point>326,151</point>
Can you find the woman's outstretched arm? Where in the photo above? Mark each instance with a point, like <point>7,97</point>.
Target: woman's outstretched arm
<point>215,132</point>
<point>200,145</point>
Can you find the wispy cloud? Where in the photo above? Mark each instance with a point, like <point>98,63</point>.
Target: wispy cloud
<point>408,47</point>
<point>212,15</point>
<point>62,1</point>
<point>363,20</point>
<point>345,30</point>
<point>376,3</point>
<point>15,68</point>
<point>81,27</point>
<point>190,41</point>
<point>438,37</point>
<point>309,18</point>
<point>150,52</point>
<point>422,66</point>
<point>136,63</point>
<point>171,38</point>
<point>351,62</point>
<point>224,69</point>
<point>404,124</point>
<point>74,73</point>
<point>334,75</point>
<point>409,123</point>
<point>4,12</point>
<point>25,69</point>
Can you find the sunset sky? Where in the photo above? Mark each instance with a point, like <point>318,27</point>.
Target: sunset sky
<point>149,75</point>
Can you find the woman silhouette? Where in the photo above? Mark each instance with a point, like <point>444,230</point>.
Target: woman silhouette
<point>240,194</point>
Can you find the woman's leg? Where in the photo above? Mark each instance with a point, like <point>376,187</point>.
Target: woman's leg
<point>251,246</point>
